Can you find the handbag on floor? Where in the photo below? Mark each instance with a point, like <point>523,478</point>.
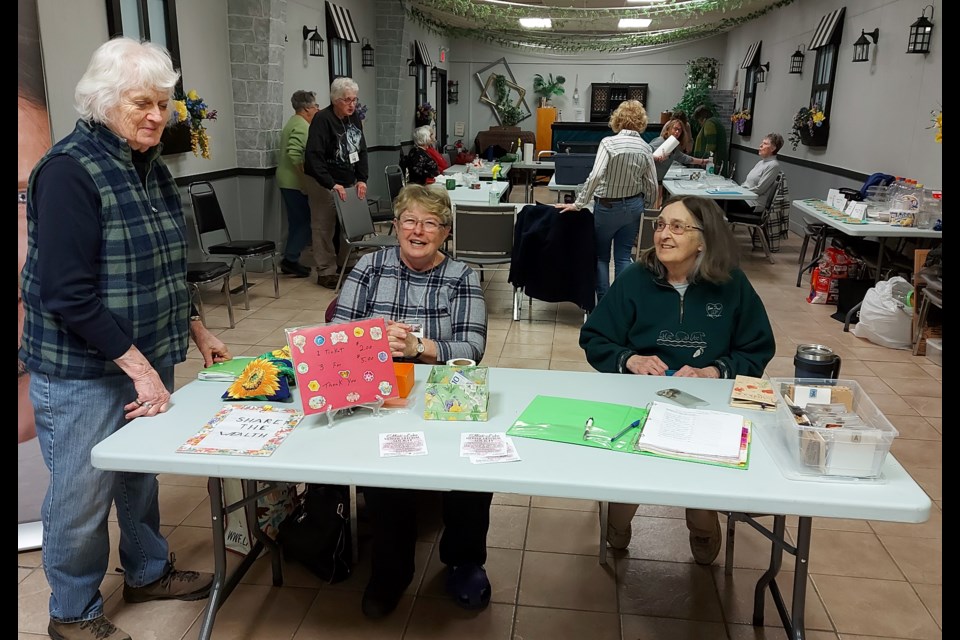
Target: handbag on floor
<point>317,534</point>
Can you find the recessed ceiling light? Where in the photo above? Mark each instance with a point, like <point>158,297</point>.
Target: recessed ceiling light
<point>634,23</point>
<point>535,23</point>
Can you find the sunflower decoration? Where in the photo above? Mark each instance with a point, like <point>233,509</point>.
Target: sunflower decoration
<point>259,378</point>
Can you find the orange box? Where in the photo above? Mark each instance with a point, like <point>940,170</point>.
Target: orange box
<point>405,379</point>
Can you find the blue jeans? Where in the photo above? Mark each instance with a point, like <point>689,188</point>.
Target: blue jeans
<point>619,223</point>
<point>298,223</point>
<point>73,416</point>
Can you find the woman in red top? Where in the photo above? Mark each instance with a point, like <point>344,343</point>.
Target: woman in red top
<point>425,163</point>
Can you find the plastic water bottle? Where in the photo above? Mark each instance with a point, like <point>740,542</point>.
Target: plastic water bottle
<point>902,292</point>
<point>709,166</point>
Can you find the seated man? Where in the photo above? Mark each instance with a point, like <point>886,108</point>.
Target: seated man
<point>762,178</point>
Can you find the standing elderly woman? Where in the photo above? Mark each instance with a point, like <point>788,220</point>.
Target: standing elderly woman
<point>107,318</point>
<point>434,311</point>
<point>665,160</point>
<point>622,179</point>
<point>684,306</point>
<point>424,163</point>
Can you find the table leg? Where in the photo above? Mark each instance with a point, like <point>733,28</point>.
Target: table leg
<point>604,515</point>
<point>880,258</point>
<point>217,514</point>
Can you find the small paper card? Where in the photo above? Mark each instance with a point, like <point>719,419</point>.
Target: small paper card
<point>831,194</point>
<point>857,210</point>
<point>839,201</point>
<point>406,443</point>
<point>510,455</point>
<point>482,444</point>
<point>243,430</point>
<point>753,393</point>
<point>342,365</point>
<point>802,396</point>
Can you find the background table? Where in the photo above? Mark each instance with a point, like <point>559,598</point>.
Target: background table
<point>465,195</point>
<point>713,187</point>
<point>485,172</point>
<point>347,453</point>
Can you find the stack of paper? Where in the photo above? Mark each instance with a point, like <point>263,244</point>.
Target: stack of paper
<point>753,393</point>
<point>226,371</point>
<point>696,435</point>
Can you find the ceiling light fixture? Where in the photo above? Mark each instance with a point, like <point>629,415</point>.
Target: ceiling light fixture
<point>634,23</point>
<point>536,23</point>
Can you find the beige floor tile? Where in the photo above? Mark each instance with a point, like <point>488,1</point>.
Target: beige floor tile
<point>256,612</point>
<point>160,619</point>
<point>564,350</point>
<point>932,597</point>
<point>563,531</point>
<point>736,598</point>
<point>914,454</point>
<point>201,516</point>
<point>189,481</point>
<point>748,632</point>
<point>436,619</point>
<point>508,526</point>
<point>935,422</point>
<point>919,563</point>
<point>933,370</point>
<point>294,574</point>
<point>751,549</point>
<point>872,384</point>
<point>916,427</point>
<point>516,336</point>
<point>545,582</point>
<point>836,524</point>
<point>660,511</point>
<point>30,559</point>
<point>889,370</point>
<point>179,501</point>
<point>927,407</point>
<point>664,539</point>
<point>875,608</point>
<point>535,623</point>
<point>931,479</point>
<point>932,528</point>
<point>336,614</point>
<point>513,499</point>
<point>523,363</point>
<point>567,365</point>
<point>503,571</point>
<point>922,386</point>
<point>23,573</point>
<point>669,589</point>
<point>565,503</point>
<point>849,553</point>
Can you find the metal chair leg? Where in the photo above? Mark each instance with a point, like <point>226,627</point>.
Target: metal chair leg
<point>343,270</point>
<point>276,277</point>
<point>226,293</point>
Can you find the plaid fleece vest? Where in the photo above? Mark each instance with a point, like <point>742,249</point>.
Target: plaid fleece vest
<point>142,262</point>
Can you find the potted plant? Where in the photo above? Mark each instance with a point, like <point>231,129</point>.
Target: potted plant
<point>809,127</point>
<point>702,74</point>
<point>425,114</point>
<point>509,113</point>
<point>547,87</point>
<point>741,122</point>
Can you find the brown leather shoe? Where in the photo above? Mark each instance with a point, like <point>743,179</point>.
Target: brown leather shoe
<point>174,585</point>
<point>328,281</point>
<point>96,629</point>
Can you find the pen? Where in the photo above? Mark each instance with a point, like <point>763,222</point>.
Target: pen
<point>632,425</point>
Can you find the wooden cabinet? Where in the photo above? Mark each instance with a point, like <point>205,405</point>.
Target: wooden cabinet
<point>546,116</point>
<point>606,97</point>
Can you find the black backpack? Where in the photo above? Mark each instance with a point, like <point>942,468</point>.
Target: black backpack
<point>317,533</point>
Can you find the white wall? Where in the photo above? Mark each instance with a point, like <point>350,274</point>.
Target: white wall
<point>880,109</point>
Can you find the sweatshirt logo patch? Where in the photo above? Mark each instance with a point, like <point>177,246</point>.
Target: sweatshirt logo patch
<point>696,340</point>
<point>714,309</point>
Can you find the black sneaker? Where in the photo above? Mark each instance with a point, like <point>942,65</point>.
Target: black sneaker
<point>329,281</point>
<point>174,585</point>
<point>294,269</point>
<point>96,629</point>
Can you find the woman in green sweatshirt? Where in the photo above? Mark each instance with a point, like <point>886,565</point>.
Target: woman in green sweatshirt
<point>683,307</point>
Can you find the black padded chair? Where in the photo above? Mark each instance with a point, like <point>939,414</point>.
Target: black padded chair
<point>757,223</point>
<point>209,220</point>
<point>202,273</point>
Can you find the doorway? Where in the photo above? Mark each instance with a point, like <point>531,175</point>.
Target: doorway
<point>441,107</point>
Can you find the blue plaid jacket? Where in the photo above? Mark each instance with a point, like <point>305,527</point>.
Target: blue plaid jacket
<point>142,262</point>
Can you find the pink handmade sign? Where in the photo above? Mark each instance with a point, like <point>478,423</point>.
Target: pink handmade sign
<point>342,365</point>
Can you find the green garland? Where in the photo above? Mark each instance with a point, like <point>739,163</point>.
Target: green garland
<point>500,24</point>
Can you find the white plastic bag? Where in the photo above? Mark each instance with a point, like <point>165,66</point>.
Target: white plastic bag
<point>884,317</point>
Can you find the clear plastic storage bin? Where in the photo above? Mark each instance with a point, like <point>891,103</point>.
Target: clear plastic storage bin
<point>854,452</point>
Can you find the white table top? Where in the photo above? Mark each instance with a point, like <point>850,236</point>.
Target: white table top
<point>713,187</point>
<point>464,195</point>
<point>532,165</point>
<point>347,453</point>
<point>553,186</point>
<point>486,171</point>
<point>816,209</point>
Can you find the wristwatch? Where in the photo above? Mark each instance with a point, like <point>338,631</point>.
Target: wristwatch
<point>420,347</point>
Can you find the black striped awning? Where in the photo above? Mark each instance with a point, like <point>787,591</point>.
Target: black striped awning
<point>423,54</point>
<point>342,22</point>
<point>827,29</point>
<point>753,55</point>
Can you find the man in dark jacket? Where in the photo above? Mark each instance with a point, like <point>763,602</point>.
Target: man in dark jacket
<point>336,159</point>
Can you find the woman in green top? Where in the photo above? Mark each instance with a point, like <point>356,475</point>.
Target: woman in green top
<point>712,137</point>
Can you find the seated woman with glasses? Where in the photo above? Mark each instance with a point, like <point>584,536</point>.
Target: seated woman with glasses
<point>434,311</point>
<point>424,163</point>
<point>684,308</point>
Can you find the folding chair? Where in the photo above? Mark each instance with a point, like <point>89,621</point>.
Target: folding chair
<point>201,273</point>
<point>208,218</point>
<point>451,152</point>
<point>483,236</point>
<point>757,223</point>
<point>645,235</point>
<point>357,228</point>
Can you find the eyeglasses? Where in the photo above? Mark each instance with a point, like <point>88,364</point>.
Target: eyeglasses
<point>409,224</point>
<point>676,228</point>
<point>348,100</point>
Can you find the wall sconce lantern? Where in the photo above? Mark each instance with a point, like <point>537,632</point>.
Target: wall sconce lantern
<point>433,75</point>
<point>796,60</point>
<point>861,48</point>
<point>920,31</point>
<point>761,75</point>
<point>366,52</point>
<point>412,68</point>
<point>453,92</point>
<point>313,40</point>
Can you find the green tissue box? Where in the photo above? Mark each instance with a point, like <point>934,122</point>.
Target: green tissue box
<point>445,399</point>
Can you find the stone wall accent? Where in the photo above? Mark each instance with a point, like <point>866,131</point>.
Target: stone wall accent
<point>391,53</point>
<point>255,34</point>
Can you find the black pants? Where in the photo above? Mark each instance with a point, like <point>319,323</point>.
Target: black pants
<point>738,206</point>
<point>466,519</point>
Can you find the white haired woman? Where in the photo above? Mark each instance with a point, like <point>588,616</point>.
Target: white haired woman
<point>424,163</point>
<point>107,316</point>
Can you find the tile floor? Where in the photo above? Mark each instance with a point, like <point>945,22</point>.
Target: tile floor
<point>868,579</point>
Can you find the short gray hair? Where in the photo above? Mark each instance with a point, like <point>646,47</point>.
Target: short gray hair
<point>118,66</point>
<point>301,99</point>
<point>776,140</point>
<point>421,135</point>
<point>342,85</point>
